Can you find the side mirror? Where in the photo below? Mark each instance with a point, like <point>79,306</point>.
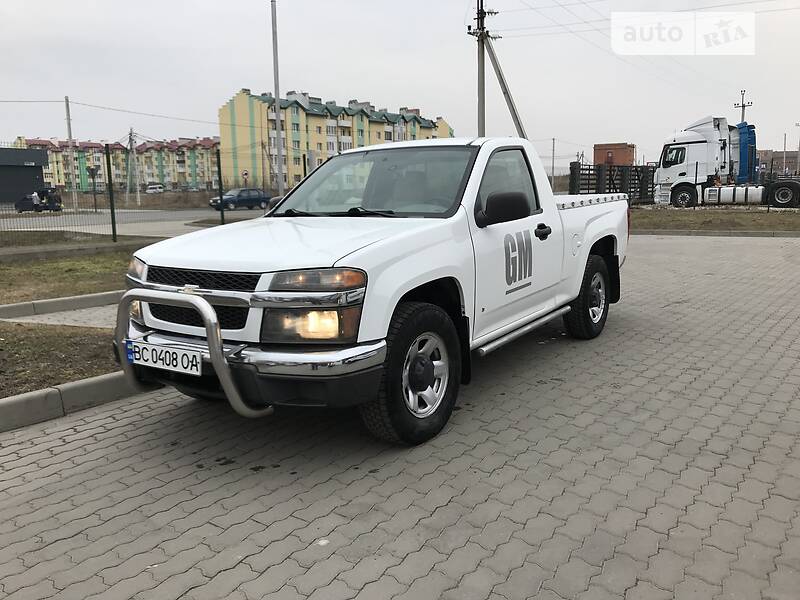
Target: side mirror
<point>502,207</point>
<point>273,202</point>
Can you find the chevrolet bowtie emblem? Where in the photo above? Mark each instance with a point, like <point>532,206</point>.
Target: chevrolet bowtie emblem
<point>189,289</point>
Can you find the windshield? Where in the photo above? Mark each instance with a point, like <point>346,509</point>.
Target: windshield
<point>234,192</point>
<point>424,182</point>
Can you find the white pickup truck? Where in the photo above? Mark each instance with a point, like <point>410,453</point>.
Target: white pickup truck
<point>374,282</point>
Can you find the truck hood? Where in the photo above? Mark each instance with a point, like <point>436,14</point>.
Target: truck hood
<point>276,244</point>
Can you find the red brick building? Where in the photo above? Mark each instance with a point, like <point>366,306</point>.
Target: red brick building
<point>615,154</point>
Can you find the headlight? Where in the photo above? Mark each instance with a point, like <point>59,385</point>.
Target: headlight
<point>318,280</point>
<point>297,325</point>
<point>137,269</point>
<point>335,322</point>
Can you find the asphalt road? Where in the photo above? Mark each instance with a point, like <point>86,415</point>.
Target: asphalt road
<point>661,460</point>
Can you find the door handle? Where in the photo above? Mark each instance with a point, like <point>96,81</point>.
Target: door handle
<point>682,174</point>
<point>542,231</point>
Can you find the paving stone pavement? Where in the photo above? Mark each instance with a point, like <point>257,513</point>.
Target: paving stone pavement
<point>100,316</point>
<point>661,460</point>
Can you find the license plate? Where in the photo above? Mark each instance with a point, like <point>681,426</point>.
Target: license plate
<point>164,357</point>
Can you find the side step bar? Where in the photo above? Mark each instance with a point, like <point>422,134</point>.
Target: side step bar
<point>512,335</point>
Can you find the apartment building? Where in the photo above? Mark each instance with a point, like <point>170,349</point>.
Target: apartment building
<point>177,164</point>
<point>312,131</point>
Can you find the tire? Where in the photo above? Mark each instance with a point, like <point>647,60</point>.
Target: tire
<point>390,416</point>
<point>785,195</point>
<point>263,205</point>
<point>231,206</point>
<point>589,311</point>
<point>683,197</point>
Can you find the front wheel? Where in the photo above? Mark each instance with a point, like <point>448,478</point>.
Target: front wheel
<point>683,197</point>
<point>231,206</point>
<point>421,376</point>
<point>588,312</point>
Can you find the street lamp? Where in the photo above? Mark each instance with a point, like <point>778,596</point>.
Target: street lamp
<point>93,174</point>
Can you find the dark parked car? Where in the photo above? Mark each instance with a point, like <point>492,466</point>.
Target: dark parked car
<point>49,199</point>
<point>241,198</point>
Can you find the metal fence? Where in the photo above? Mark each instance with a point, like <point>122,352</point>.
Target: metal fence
<point>638,181</point>
<point>108,211</point>
<point>64,216</point>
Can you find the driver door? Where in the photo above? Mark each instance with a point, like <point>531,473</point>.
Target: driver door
<point>673,164</point>
<point>515,271</point>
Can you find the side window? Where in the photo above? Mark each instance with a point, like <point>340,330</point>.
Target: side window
<point>674,155</point>
<point>507,171</point>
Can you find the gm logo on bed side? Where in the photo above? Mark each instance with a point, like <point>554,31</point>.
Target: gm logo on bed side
<point>519,260</point>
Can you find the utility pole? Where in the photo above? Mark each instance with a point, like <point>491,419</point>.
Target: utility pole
<point>278,144</point>
<point>485,46</point>
<point>743,105</point>
<point>797,158</point>
<point>784,154</point>
<point>512,108</point>
<point>110,187</point>
<point>480,34</point>
<point>71,153</point>
<point>133,164</point>
<point>263,148</point>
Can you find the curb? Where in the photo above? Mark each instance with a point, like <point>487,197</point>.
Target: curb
<point>43,307</point>
<point>62,250</point>
<point>716,233</point>
<point>61,400</point>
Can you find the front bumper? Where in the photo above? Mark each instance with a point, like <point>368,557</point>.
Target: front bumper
<point>253,378</point>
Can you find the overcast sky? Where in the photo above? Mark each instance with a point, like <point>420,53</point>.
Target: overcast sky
<point>185,58</point>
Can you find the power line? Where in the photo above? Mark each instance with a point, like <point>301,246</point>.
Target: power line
<point>587,2</point>
<point>592,43</point>
<point>511,10</point>
<point>144,114</point>
<point>538,30</point>
<point>670,58</point>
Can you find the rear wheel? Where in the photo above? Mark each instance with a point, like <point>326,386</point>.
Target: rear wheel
<point>785,195</point>
<point>588,312</point>
<point>683,197</point>
<point>421,376</point>
<point>263,205</point>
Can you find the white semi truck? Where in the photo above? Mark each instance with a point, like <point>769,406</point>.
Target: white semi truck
<point>712,162</point>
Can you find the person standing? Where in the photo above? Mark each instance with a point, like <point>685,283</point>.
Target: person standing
<point>35,199</point>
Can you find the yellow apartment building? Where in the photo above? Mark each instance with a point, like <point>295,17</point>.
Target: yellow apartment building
<point>312,131</point>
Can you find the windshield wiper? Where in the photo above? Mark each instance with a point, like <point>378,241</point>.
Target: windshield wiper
<point>358,211</point>
<point>293,212</point>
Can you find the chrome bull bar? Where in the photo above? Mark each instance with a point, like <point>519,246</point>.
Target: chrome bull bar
<point>213,339</point>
